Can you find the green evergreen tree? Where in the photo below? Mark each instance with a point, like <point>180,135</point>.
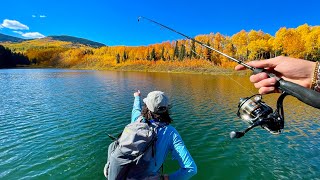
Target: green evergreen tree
<point>208,52</point>
<point>182,53</point>
<point>153,55</point>
<point>176,51</point>
<point>193,50</point>
<point>118,58</point>
<point>162,54</point>
<point>124,56</point>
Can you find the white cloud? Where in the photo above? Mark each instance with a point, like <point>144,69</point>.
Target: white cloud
<point>13,24</point>
<point>32,35</point>
<point>18,32</point>
<point>16,25</point>
<point>40,16</point>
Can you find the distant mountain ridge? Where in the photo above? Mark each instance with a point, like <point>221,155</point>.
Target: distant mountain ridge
<point>6,38</point>
<point>72,39</point>
<point>76,40</point>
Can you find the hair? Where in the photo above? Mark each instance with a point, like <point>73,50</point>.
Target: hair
<point>162,117</point>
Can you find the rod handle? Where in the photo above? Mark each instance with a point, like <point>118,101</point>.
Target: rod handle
<point>306,95</point>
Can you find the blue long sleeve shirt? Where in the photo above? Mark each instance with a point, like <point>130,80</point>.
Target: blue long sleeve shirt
<point>168,140</point>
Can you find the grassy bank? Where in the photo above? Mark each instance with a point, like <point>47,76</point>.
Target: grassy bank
<point>190,67</point>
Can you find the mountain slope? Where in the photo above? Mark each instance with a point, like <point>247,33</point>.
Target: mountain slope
<point>6,38</point>
<point>77,40</point>
<point>70,39</point>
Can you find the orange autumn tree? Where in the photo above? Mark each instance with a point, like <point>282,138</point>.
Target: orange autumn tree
<point>300,42</point>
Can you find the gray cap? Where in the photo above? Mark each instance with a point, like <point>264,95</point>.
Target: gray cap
<point>157,102</point>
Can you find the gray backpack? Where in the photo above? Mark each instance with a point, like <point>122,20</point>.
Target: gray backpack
<point>132,153</point>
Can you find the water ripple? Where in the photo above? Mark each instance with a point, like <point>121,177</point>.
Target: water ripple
<point>54,125</point>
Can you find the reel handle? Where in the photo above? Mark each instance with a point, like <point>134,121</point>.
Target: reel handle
<point>240,134</point>
<point>308,96</point>
<point>236,134</point>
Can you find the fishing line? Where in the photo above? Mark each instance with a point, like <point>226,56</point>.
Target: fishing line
<point>194,52</point>
<point>206,46</point>
<point>199,42</point>
<point>308,96</point>
<point>252,109</point>
<point>228,75</point>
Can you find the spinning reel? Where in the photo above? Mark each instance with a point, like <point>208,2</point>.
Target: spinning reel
<point>255,112</point>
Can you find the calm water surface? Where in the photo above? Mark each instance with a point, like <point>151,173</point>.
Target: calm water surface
<point>54,125</point>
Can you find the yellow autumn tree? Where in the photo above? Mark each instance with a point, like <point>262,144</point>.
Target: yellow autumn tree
<point>279,40</point>
<point>258,47</point>
<point>240,42</point>
<point>293,44</point>
<point>218,44</point>
<point>228,49</point>
<point>313,44</point>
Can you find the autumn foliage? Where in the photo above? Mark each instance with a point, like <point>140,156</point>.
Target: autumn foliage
<point>301,42</point>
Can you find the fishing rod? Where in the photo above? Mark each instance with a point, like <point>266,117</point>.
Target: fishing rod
<point>193,51</point>
<point>305,95</point>
<point>252,109</point>
<point>199,42</point>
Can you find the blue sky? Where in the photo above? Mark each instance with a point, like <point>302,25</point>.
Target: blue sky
<point>115,22</point>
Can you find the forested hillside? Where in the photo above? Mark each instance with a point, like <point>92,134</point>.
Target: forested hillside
<point>301,42</point>
<point>76,40</point>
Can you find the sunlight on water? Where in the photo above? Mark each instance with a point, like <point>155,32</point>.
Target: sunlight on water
<point>54,124</point>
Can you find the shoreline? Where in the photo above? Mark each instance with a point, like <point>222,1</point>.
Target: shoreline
<point>181,70</point>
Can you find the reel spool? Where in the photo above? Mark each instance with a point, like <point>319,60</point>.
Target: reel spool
<point>255,112</point>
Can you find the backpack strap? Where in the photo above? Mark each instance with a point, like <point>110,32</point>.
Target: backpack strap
<point>140,118</point>
<point>114,138</point>
<point>162,171</point>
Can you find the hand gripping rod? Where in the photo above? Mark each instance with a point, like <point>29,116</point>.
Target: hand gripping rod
<point>308,96</point>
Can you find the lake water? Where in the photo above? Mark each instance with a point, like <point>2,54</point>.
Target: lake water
<point>54,125</point>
